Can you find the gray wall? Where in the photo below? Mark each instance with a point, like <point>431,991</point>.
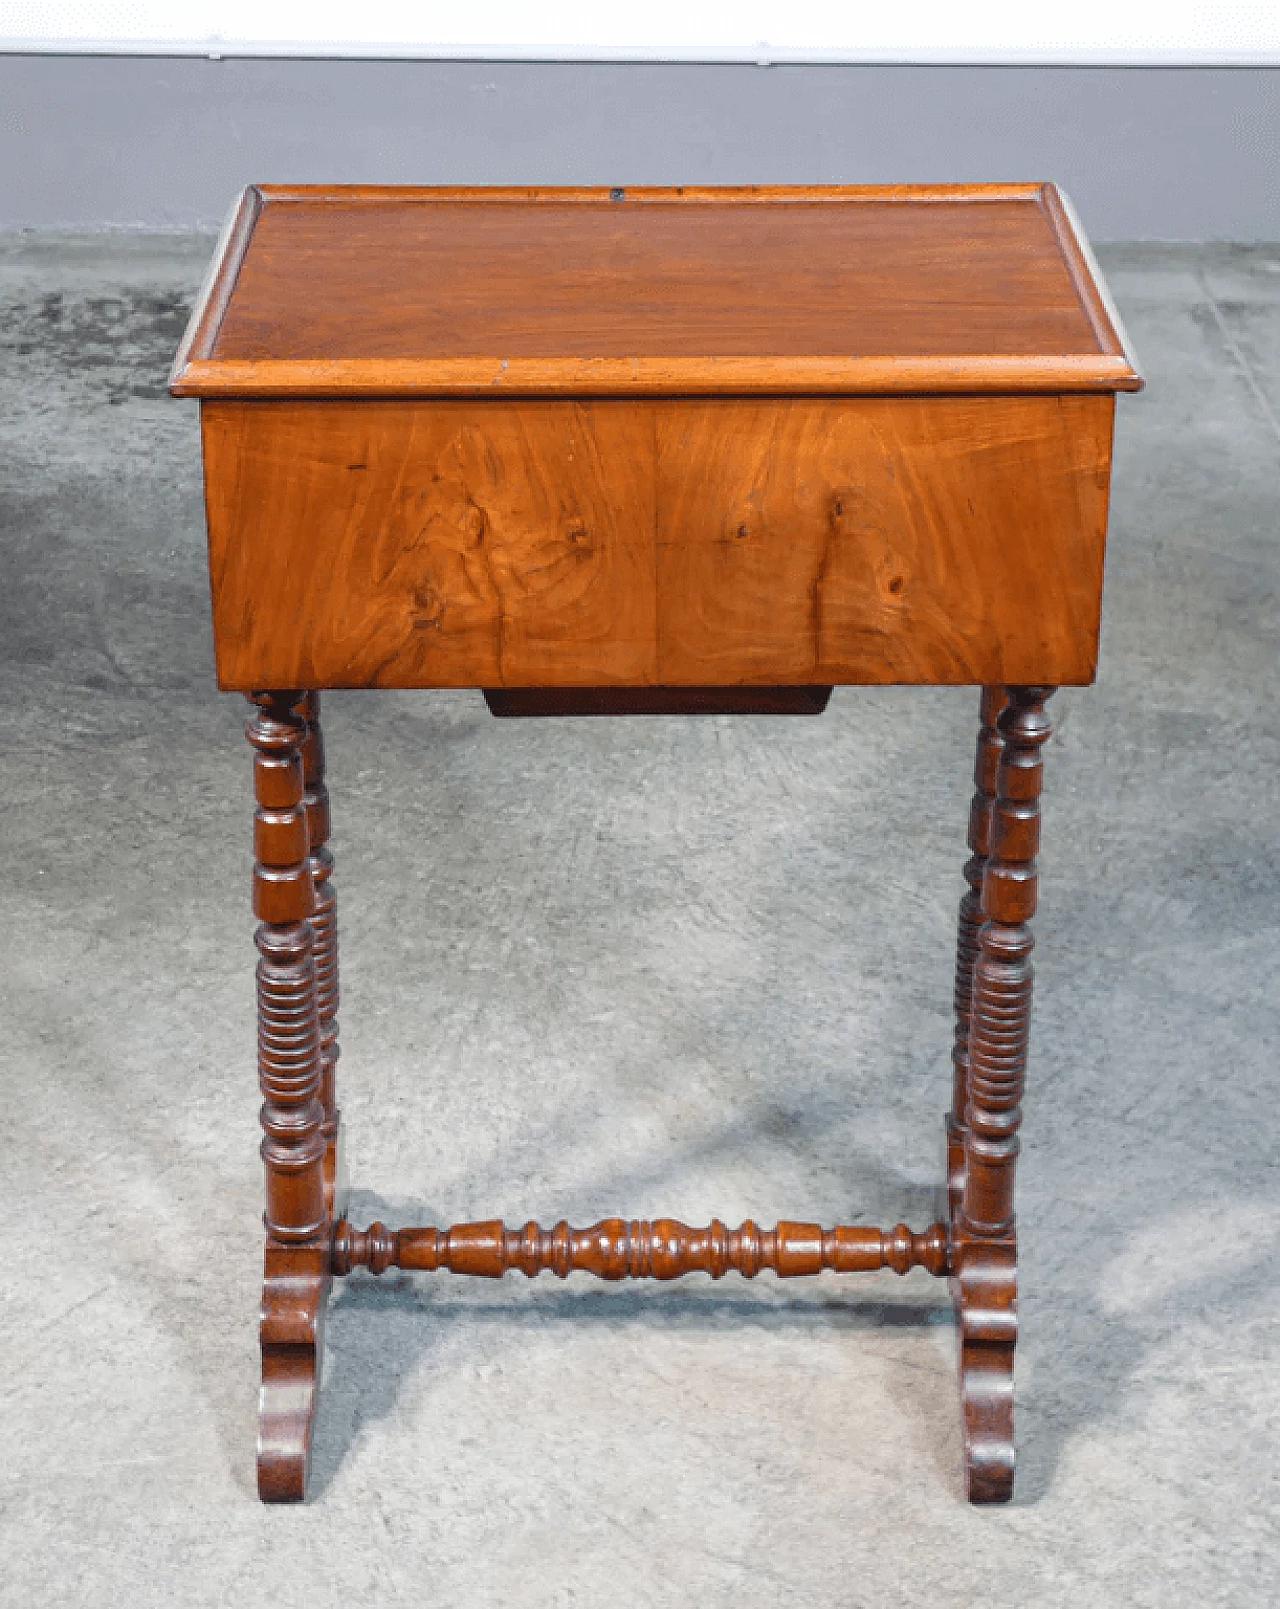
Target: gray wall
<point>1146,153</point>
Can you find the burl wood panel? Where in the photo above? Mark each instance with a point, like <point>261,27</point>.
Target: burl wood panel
<point>599,543</point>
<point>326,290</point>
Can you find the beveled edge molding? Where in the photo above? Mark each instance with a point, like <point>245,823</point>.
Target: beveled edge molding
<point>214,295</point>
<point>1090,282</point>
<point>487,376</point>
<point>660,194</point>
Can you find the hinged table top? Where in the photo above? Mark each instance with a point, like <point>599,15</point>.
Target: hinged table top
<point>364,291</point>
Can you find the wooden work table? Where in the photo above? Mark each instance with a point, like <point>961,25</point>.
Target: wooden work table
<point>643,452</point>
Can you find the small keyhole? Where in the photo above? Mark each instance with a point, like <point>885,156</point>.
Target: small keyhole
<point>617,195</point>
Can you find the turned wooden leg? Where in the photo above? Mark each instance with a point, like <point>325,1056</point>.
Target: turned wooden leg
<point>324,928</point>
<point>984,1246</point>
<point>296,1280</point>
<point>990,744</point>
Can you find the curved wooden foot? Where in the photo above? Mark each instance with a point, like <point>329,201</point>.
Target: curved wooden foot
<point>295,1298</point>
<point>985,1292</point>
<point>295,1293</point>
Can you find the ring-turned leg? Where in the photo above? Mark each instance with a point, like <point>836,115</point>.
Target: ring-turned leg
<point>987,759</point>
<point>984,1246</point>
<point>324,929</point>
<point>296,1279</point>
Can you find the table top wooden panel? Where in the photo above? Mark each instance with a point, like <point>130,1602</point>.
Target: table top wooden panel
<point>360,291</point>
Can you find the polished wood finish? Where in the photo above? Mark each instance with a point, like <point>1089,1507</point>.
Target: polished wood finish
<point>350,290</point>
<point>289,1034</point>
<point>324,929</point>
<point>721,542</point>
<point>984,1240</point>
<point>620,1248</point>
<point>637,452</point>
<point>990,745</point>
<point>517,701</point>
<point>295,1296</point>
<point>881,539</point>
<point>296,1274</point>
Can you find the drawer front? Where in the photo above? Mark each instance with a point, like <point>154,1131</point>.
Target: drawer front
<point>385,544</point>
<point>523,543</point>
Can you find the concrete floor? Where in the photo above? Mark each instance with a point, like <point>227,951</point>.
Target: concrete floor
<point>683,967</point>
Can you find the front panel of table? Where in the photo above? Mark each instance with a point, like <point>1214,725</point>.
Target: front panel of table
<point>657,542</point>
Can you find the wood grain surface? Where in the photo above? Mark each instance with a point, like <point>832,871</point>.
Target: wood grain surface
<point>363,291</point>
<point>710,542</point>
